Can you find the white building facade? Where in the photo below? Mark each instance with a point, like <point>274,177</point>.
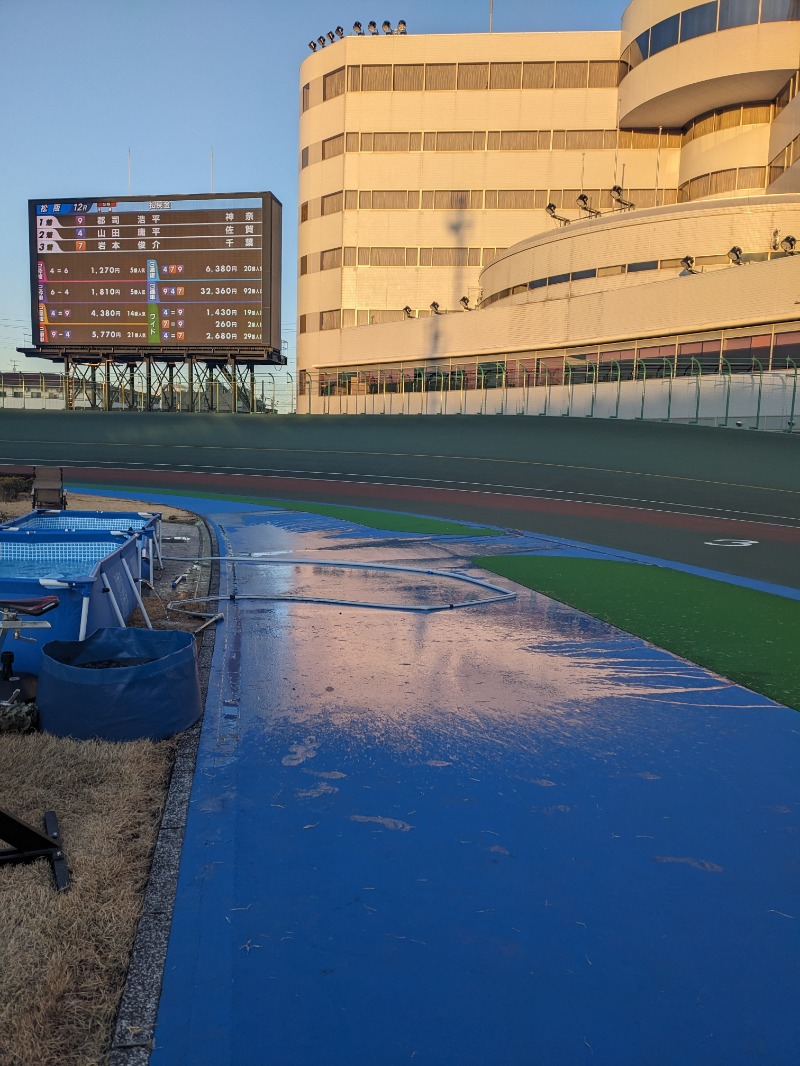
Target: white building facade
<point>508,210</point>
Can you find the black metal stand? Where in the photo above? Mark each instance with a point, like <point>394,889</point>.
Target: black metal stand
<point>29,844</point>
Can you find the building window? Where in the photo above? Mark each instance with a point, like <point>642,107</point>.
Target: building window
<point>473,76</point>
<point>572,75</point>
<point>664,34</point>
<point>306,96</point>
<point>734,13</point>
<point>440,76</point>
<point>330,259</point>
<point>538,75</point>
<point>333,84</point>
<point>376,78</point>
<point>333,146</point>
<point>409,77</point>
<point>332,203</point>
<point>698,21</point>
<point>603,75</point>
<point>505,76</point>
<point>455,141</point>
<point>390,142</point>
<point>354,79</point>
<point>780,11</point>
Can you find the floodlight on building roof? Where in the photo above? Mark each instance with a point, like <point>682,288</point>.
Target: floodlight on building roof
<point>373,28</point>
<point>551,210</point>
<point>407,311</point>
<point>331,36</point>
<point>340,32</point>
<point>735,255</point>
<point>616,195</point>
<point>688,264</point>
<point>387,26</point>
<point>321,42</point>
<point>583,203</point>
<point>357,29</point>
<point>464,301</point>
<point>435,308</point>
<point>401,27</point>
<point>312,45</point>
<point>788,244</point>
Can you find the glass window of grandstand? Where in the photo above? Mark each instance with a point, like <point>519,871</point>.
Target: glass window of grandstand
<point>780,10</point>
<point>737,13</point>
<point>698,21</point>
<point>639,49</point>
<point>664,34</point>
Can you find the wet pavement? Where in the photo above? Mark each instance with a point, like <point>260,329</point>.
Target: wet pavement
<point>499,833</point>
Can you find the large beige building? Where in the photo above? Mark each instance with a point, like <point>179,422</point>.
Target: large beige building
<point>475,206</point>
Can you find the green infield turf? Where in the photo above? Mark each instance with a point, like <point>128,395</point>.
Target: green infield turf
<point>747,636</point>
<point>364,516</point>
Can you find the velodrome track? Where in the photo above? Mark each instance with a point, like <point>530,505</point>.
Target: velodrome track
<point>539,839</point>
<point>660,490</point>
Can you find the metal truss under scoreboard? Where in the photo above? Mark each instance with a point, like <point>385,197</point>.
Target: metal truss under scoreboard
<point>181,381</point>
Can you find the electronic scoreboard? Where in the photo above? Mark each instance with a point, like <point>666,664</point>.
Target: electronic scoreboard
<point>157,274</point>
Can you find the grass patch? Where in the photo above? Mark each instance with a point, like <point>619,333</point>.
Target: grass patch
<point>64,955</point>
<point>363,516</point>
<point>747,636</point>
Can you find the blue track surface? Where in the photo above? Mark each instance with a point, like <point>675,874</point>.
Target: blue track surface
<point>506,834</point>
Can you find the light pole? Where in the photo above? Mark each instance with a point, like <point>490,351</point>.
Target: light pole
<point>292,405</point>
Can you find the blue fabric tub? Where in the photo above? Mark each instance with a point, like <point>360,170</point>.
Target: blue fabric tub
<point>120,684</point>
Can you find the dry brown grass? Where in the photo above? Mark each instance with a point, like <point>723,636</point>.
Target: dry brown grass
<point>64,956</point>
<point>77,502</point>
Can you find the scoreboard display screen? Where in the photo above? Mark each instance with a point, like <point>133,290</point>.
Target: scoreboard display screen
<point>162,272</point>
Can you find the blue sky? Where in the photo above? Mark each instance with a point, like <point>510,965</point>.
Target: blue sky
<point>84,82</point>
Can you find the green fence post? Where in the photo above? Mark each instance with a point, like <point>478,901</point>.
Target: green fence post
<point>728,393</point>
<point>614,363</point>
<point>789,360</point>
<point>757,362</point>
<point>595,372</point>
<point>697,376</point>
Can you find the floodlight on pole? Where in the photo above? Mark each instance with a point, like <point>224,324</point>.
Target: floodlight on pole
<point>357,29</point>
<point>340,32</point>
<point>321,42</point>
<point>583,203</point>
<point>619,199</point>
<point>387,26</point>
<point>312,45</point>
<point>401,27</point>
<point>551,210</point>
<point>373,28</point>
<point>735,255</point>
